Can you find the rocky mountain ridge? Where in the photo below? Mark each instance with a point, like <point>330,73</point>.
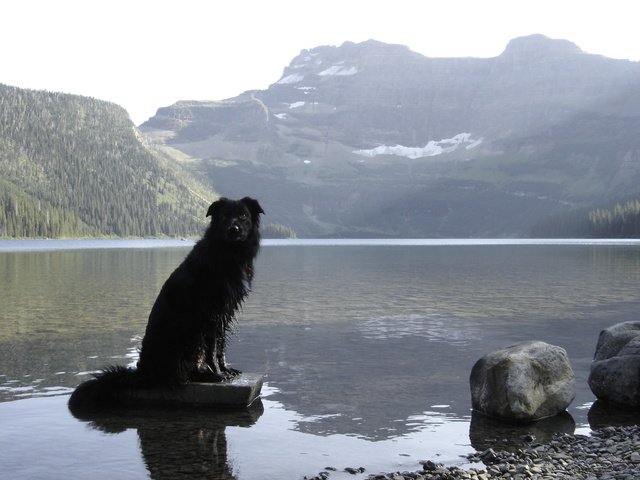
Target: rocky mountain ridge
<point>371,139</point>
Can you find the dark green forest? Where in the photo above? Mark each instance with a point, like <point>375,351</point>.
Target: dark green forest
<point>73,166</point>
<point>622,220</point>
<point>619,220</point>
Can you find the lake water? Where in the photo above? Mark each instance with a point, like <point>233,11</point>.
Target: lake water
<point>366,346</point>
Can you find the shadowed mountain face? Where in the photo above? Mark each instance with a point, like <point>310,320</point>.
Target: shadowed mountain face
<point>372,139</point>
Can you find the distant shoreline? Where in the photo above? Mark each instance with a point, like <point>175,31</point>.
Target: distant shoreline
<point>34,245</point>
<point>41,245</point>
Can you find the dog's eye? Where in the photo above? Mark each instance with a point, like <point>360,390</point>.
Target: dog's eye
<point>244,216</point>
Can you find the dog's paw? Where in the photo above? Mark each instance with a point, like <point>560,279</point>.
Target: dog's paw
<point>231,372</point>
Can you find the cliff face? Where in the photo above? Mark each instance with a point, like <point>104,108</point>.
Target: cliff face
<point>374,139</point>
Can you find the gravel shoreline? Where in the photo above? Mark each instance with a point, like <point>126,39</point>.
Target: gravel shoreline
<point>609,453</point>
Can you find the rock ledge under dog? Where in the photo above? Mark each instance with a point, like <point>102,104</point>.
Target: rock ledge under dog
<point>239,392</point>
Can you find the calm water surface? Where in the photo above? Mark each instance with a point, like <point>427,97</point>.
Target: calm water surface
<point>366,348</point>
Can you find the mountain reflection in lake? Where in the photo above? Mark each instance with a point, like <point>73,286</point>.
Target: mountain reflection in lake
<point>366,349</point>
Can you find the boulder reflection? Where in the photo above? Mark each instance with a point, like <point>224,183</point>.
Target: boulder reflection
<point>602,414</point>
<point>177,444</point>
<point>487,432</point>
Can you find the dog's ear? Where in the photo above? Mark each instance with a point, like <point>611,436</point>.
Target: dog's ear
<point>215,206</point>
<point>253,206</point>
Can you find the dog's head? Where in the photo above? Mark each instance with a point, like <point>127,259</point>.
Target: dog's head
<point>235,220</point>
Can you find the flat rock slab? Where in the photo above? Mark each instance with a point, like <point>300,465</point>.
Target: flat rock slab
<point>238,392</point>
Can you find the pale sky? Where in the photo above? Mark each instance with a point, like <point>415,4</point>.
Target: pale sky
<point>146,54</point>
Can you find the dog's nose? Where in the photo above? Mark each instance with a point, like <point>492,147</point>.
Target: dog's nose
<point>234,230</point>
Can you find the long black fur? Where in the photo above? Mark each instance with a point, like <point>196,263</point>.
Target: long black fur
<point>191,318</point>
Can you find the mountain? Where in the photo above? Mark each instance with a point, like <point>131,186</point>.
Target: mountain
<point>372,139</point>
<point>74,166</point>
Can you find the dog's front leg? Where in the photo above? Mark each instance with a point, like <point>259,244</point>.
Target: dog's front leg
<point>207,368</point>
<point>221,359</point>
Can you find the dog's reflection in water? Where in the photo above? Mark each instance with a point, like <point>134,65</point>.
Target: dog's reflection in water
<point>178,444</point>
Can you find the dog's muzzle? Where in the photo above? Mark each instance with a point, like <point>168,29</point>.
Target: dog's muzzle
<point>235,232</point>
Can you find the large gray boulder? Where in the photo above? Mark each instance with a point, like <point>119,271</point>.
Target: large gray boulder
<point>523,382</point>
<point>615,371</point>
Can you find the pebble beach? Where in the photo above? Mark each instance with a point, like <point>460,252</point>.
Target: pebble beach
<point>609,453</point>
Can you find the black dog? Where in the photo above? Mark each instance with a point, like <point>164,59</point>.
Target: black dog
<point>191,318</point>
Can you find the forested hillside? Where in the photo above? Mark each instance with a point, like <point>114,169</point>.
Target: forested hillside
<point>76,166</point>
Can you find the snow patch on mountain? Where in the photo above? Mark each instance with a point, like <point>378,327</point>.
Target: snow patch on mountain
<point>289,79</point>
<point>305,90</point>
<point>431,149</point>
<point>339,70</point>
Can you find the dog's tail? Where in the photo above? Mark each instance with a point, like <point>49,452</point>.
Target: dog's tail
<point>106,389</point>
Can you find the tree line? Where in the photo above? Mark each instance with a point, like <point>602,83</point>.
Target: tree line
<point>619,220</point>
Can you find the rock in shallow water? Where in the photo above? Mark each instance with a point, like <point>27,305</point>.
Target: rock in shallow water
<point>523,382</point>
<point>615,371</point>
